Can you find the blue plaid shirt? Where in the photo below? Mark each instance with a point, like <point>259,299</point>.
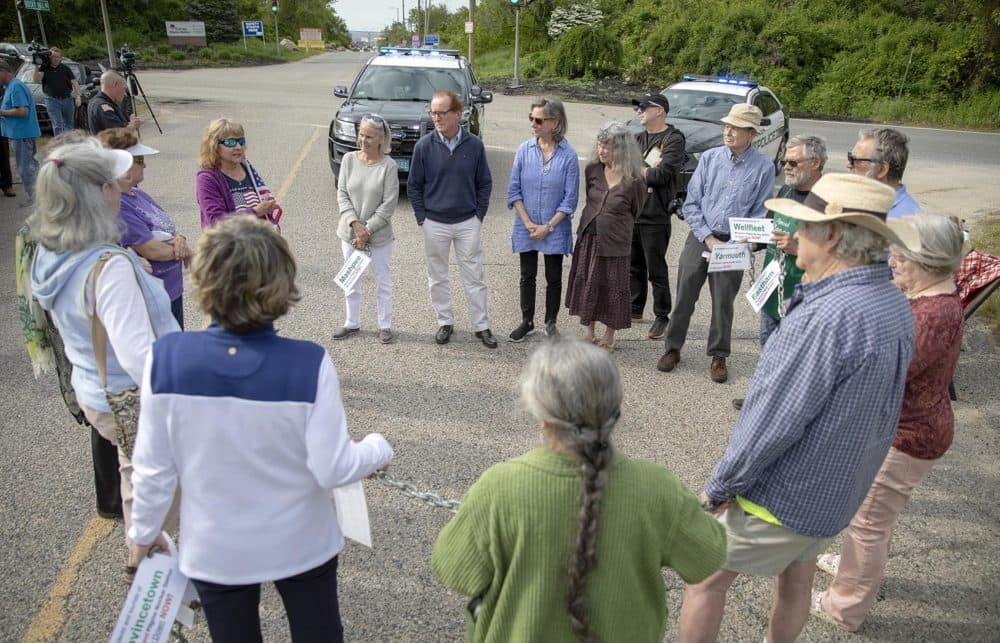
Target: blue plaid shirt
<point>823,403</point>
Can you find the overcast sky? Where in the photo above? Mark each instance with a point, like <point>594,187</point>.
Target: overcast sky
<point>375,15</point>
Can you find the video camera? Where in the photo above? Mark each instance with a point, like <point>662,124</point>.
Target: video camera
<point>39,55</point>
<point>126,57</point>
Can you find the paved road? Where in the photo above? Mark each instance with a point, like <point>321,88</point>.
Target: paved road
<point>451,411</point>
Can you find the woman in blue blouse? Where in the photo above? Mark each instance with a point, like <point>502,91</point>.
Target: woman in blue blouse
<point>543,190</point>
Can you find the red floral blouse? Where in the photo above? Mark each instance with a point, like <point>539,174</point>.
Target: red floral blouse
<point>926,423</point>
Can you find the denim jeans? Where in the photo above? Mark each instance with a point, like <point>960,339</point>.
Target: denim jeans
<point>767,326</point>
<point>27,166</point>
<point>61,112</point>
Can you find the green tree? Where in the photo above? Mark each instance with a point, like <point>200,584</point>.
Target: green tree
<point>222,23</point>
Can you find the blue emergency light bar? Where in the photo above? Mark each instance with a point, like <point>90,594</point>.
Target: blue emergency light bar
<point>417,51</point>
<point>724,80</point>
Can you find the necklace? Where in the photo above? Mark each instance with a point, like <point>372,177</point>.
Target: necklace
<point>913,294</point>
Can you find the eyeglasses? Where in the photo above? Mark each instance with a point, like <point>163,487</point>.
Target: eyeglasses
<point>538,121</point>
<point>233,142</point>
<point>440,114</point>
<point>790,163</point>
<point>645,106</point>
<point>375,118</point>
<point>139,160</point>
<point>851,159</point>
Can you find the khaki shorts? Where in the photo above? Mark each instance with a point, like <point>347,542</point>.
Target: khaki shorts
<point>759,548</point>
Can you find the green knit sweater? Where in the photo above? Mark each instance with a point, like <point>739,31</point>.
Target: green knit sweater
<point>512,541</point>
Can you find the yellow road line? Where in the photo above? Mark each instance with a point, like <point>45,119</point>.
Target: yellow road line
<point>287,183</point>
<point>50,619</point>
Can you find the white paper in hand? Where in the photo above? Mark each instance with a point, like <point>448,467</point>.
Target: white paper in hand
<point>754,230</point>
<point>761,289</point>
<point>352,270</point>
<point>729,256</point>
<point>152,602</point>
<point>352,513</point>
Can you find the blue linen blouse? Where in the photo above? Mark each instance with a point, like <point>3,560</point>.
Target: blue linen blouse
<point>544,193</point>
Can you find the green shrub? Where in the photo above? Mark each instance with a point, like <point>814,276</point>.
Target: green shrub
<point>206,53</point>
<point>177,55</point>
<point>86,46</point>
<point>164,49</point>
<point>587,52</point>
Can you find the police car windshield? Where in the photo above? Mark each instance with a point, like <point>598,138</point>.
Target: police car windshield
<point>407,84</point>
<point>701,105</point>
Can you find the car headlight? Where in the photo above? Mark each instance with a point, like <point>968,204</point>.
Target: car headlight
<point>346,129</point>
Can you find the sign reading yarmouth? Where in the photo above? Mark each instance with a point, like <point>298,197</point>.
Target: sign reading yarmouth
<point>753,230</point>
<point>729,256</point>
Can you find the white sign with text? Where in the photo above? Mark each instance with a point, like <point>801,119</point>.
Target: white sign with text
<point>753,230</point>
<point>729,256</point>
<point>352,270</point>
<point>153,601</point>
<point>766,284</point>
<point>352,513</point>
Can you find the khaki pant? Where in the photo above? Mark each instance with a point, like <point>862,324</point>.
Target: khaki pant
<point>867,539</point>
<point>104,422</point>
<point>438,240</point>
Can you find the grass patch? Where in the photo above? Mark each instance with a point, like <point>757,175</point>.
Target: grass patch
<point>986,239</point>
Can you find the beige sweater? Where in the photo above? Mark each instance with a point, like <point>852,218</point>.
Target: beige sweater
<point>367,193</point>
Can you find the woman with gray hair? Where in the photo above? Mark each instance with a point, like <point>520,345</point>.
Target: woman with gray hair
<point>77,227</point>
<point>926,423</point>
<point>543,192</point>
<point>599,274</point>
<point>367,192</point>
<point>622,520</point>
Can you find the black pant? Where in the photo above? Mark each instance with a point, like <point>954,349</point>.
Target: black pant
<point>6,178</point>
<point>553,285</point>
<point>649,261</point>
<point>310,600</point>
<point>107,478</point>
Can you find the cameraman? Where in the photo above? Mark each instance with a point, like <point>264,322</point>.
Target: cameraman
<point>62,92</point>
<point>104,111</point>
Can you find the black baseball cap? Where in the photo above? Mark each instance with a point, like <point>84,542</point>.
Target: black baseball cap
<point>653,98</point>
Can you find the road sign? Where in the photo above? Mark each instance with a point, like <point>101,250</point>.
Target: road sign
<point>253,28</point>
<point>431,40</point>
<point>37,5</point>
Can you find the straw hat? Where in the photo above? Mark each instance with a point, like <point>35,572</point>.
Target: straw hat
<point>743,115</point>
<point>141,150</point>
<point>855,199</point>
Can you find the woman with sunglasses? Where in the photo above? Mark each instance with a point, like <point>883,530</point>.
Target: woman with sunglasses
<point>367,191</point>
<point>149,230</point>
<point>227,182</point>
<point>599,288</point>
<point>543,192</point>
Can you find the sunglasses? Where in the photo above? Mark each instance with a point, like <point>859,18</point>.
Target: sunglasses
<point>790,163</point>
<point>233,141</point>
<point>538,121</point>
<point>374,118</point>
<point>851,159</point>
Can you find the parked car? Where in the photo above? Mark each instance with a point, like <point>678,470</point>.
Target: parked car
<point>87,79</point>
<point>697,106</point>
<point>398,84</point>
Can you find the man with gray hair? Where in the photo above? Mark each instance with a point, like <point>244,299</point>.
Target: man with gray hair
<point>822,408</point>
<point>104,111</point>
<point>881,154</point>
<point>804,159</point>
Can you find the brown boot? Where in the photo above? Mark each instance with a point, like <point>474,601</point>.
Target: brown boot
<point>718,370</point>
<point>668,361</point>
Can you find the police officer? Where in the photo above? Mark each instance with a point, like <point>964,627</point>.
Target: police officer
<point>62,92</point>
<point>104,111</point>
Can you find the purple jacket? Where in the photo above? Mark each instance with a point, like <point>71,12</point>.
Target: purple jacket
<point>214,196</point>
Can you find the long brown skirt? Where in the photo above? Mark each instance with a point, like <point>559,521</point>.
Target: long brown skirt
<point>599,286</point>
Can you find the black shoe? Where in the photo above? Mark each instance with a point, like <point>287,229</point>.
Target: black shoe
<point>111,515</point>
<point>489,341</point>
<point>636,314</point>
<point>443,334</point>
<point>526,328</point>
<point>657,329</point>
<point>550,329</point>
<point>344,332</point>
<point>738,404</point>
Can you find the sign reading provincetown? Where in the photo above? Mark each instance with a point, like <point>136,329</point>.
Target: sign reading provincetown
<point>729,256</point>
<point>753,230</point>
<point>152,602</point>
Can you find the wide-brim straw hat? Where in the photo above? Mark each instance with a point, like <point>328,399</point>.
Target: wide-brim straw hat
<point>743,115</point>
<point>141,150</point>
<point>854,199</point>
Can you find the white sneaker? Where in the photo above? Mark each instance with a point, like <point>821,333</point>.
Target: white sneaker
<point>828,563</point>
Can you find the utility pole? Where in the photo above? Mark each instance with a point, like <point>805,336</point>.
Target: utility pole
<point>41,28</point>
<point>20,22</point>
<point>112,60</point>
<point>517,41</point>
<point>472,8</point>
<point>427,18</point>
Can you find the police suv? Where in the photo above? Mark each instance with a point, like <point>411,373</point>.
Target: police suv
<point>397,84</point>
<point>698,104</point>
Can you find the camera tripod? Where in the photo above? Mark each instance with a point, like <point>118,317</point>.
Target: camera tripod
<point>134,88</point>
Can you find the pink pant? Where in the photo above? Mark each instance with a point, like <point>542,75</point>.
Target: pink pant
<point>866,540</point>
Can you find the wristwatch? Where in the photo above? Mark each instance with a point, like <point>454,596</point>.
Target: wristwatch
<point>551,229</point>
<point>712,504</point>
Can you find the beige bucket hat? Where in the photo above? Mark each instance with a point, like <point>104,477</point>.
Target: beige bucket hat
<point>743,115</point>
<point>855,199</point>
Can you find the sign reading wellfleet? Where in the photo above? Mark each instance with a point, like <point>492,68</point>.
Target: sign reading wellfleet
<point>152,602</point>
<point>753,230</point>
